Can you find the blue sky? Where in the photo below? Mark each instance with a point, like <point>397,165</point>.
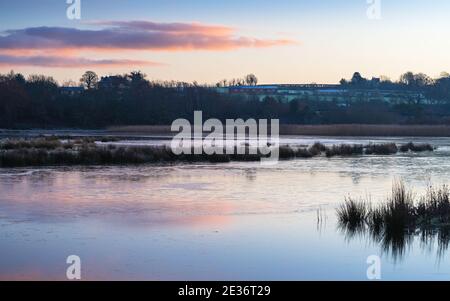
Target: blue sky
<point>330,39</point>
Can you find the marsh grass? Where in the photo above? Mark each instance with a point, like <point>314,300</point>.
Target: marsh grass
<point>86,151</point>
<point>286,152</point>
<point>401,210</point>
<point>44,143</point>
<point>395,223</point>
<point>344,150</point>
<point>381,149</point>
<point>353,212</point>
<point>317,149</point>
<point>425,147</point>
<point>304,153</point>
<point>434,207</point>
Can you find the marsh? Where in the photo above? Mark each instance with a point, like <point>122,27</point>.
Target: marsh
<point>224,221</point>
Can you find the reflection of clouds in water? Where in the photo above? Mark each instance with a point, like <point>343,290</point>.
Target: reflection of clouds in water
<point>133,214</point>
<point>188,186</point>
<point>172,220</point>
<point>29,274</point>
<point>204,189</point>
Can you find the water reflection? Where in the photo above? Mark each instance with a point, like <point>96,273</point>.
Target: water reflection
<point>213,221</point>
<point>396,241</point>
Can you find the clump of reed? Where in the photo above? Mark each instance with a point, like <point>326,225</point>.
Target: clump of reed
<point>434,207</point>
<point>425,147</point>
<point>42,142</point>
<point>353,213</point>
<point>401,211</point>
<point>308,152</point>
<point>344,150</point>
<point>317,148</point>
<point>395,223</point>
<point>381,149</point>
<point>304,153</point>
<point>286,152</point>
<point>84,150</point>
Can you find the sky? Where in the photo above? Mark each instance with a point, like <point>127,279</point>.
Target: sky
<point>283,41</point>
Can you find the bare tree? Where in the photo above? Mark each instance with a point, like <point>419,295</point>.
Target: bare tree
<point>137,76</point>
<point>422,80</point>
<point>251,80</point>
<point>89,80</point>
<point>415,80</point>
<point>222,83</point>
<point>407,78</point>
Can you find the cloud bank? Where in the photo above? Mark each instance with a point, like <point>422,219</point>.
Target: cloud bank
<point>26,46</point>
<point>67,62</point>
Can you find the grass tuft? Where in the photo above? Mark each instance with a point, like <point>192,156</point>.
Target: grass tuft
<point>344,150</point>
<point>395,223</point>
<point>416,147</point>
<point>401,211</point>
<point>381,149</point>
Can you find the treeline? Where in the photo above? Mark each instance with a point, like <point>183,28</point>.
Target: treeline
<point>39,102</point>
<point>437,89</point>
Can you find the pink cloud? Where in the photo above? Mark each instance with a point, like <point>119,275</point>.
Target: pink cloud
<point>67,62</point>
<point>36,46</point>
<point>134,35</point>
<point>169,27</point>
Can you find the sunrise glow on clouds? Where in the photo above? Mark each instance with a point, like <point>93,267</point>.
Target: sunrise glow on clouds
<point>288,41</point>
<point>28,47</point>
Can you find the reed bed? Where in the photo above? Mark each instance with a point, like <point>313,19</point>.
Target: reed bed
<point>400,219</point>
<point>402,211</point>
<point>344,150</point>
<point>381,149</point>
<point>411,147</point>
<point>86,151</point>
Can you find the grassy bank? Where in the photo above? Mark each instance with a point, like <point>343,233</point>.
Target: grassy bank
<point>350,130</point>
<point>85,151</point>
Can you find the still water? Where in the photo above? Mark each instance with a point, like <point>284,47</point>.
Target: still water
<point>234,221</point>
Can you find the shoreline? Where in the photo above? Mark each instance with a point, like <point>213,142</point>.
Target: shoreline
<point>340,130</point>
<point>328,130</point>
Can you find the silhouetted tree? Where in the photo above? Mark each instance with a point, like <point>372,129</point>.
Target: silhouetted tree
<point>357,80</point>
<point>89,80</point>
<point>130,99</point>
<point>251,80</point>
<point>137,77</point>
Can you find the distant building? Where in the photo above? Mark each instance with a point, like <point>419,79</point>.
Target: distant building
<point>342,95</point>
